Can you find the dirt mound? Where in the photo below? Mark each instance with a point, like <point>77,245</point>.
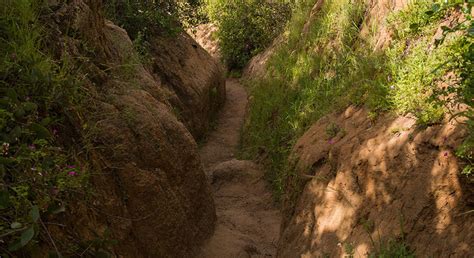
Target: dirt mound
<point>369,182</point>
<point>248,223</point>
<point>149,189</point>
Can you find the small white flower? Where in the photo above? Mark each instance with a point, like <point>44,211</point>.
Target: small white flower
<point>5,148</point>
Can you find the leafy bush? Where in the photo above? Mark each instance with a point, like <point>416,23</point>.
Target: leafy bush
<point>246,27</point>
<point>37,175</point>
<point>144,18</point>
<point>459,94</point>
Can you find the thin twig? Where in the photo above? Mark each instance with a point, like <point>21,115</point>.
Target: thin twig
<point>50,238</point>
<point>464,213</point>
<point>55,224</point>
<point>86,250</point>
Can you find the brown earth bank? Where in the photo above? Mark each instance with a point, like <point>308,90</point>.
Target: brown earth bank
<point>149,191</point>
<point>197,80</point>
<point>373,182</point>
<point>206,36</point>
<point>366,183</point>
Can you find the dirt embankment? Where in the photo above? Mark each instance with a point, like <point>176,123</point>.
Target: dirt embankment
<point>360,184</point>
<point>198,81</point>
<point>368,183</point>
<point>148,185</point>
<point>206,36</point>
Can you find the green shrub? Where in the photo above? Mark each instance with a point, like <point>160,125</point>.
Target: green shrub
<point>37,175</point>
<point>459,92</point>
<point>246,27</point>
<point>143,18</point>
<point>146,18</point>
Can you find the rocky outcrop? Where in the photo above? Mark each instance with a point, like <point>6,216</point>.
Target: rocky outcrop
<point>197,80</point>
<point>150,191</point>
<point>368,183</point>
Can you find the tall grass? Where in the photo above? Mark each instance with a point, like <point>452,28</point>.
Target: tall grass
<point>329,66</point>
<point>315,72</point>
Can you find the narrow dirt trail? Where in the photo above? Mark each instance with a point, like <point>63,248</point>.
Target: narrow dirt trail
<point>248,223</point>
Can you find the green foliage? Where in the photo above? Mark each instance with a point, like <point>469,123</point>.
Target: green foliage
<point>37,176</point>
<point>332,130</point>
<point>246,27</point>
<point>459,94</point>
<point>306,80</point>
<point>327,67</point>
<point>416,65</point>
<point>392,249</point>
<point>144,18</point>
<point>349,250</point>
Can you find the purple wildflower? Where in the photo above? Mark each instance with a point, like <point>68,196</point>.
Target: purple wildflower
<point>331,141</point>
<point>72,173</point>
<point>32,147</point>
<point>446,154</point>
